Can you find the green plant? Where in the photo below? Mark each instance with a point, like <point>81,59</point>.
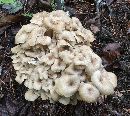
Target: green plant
<point>7,1</point>
<point>28,14</point>
<point>11,6</point>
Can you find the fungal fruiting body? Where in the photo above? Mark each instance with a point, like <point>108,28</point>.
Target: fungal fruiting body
<point>53,59</point>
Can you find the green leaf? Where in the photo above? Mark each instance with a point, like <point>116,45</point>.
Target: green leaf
<point>7,1</point>
<point>28,14</point>
<point>12,6</point>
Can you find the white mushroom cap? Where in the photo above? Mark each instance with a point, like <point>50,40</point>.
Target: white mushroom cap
<point>47,59</point>
<point>37,85</point>
<point>68,36</point>
<point>112,78</point>
<point>43,95</point>
<point>20,77</point>
<point>36,36</point>
<point>54,51</point>
<point>58,66</point>
<point>85,35</point>
<point>76,23</point>
<point>62,43</point>
<point>73,100</point>
<point>44,75</point>
<point>94,64</point>
<point>46,40</point>
<point>67,85</point>
<point>22,36</point>
<point>66,56</point>
<point>88,92</point>
<point>89,37</point>
<point>29,83</point>
<point>102,83</point>
<point>16,49</point>
<point>81,56</point>
<point>55,96</point>
<point>54,23</point>
<point>30,95</point>
<point>64,100</point>
<point>56,20</point>
<point>85,50</point>
<point>21,39</point>
<point>31,54</point>
<point>83,77</point>
<point>79,60</point>
<point>16,59</point>
<point>26,71</point>
<point>72,71</point>
<point>27,28</point>
<point>47,85</point>
<point>38,18</point>
<point>34,76</point>
<point>17,66</point>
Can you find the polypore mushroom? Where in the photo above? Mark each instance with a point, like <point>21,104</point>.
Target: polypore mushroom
<point>20,77</point>
<point>112,78</point>
<point>31,95</point>
<point>58,66</point>
<point>94,64</point>
<point>38,18</point>
<point>64,100</point>
<point>67,85</point>
<point>101,81</point>
<point>54,95</point>
<point>53,59</point>
<point>43,95</point>
<point>88,92</point>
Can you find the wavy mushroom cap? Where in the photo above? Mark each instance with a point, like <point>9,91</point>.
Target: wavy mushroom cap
<point>31,95</point>
<point>58,66</point>
<point>70,70</point>
<point>23,34</point>
<point>94,64</point>
<point>48,59</point>
<point>67,36</point>
<point>67,85</point>
<point>64,100</point>
<point>43,95</point>
<point>37,85</point>
<point>112,78</point>
<point>55,96</point>
<point>88,92</point>
<point>55,21</point>
<point>66,56</point>
<point>28,83</point>
<point>103,84</point>
<point>20,77</point>
<point>38,18</point>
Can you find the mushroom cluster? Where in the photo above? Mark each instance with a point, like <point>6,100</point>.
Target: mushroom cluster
<point>53,59</point>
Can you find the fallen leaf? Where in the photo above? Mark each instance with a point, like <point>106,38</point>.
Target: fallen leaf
<point>94,28</point>
<point>111,51</point>
<point>109,2</point>
<point>3,111</point>
<point>9,19</point>
<point>12,105</point>
<point>46,2</point>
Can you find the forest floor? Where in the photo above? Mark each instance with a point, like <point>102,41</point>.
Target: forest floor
<point>110,23</point>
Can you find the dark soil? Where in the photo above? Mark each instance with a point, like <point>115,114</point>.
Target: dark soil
<point>111,26</point>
